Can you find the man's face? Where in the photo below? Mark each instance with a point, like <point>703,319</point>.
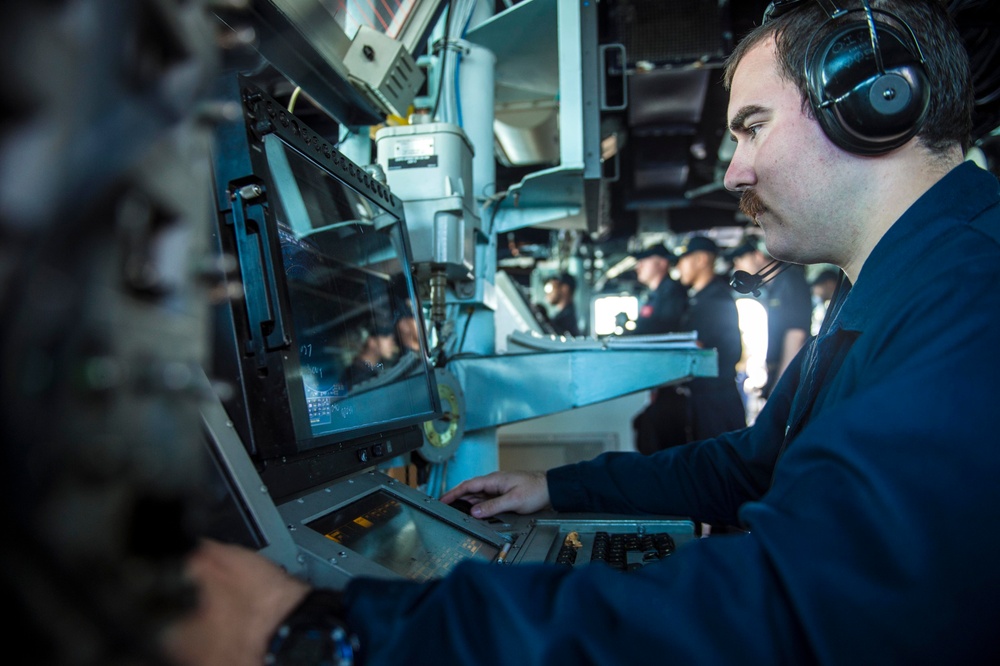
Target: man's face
<point>751,262</point>
<point>386,346</point>
<point>824,290</point>
<point>688,267</point>
<point>409,337</point>
<point>796,184</point>
<point>552,294</point>
<point>651,268</point>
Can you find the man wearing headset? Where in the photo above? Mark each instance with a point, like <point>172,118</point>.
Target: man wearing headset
<point>867,487</point>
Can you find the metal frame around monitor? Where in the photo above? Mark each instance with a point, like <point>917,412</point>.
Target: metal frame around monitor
<point>274,435</point>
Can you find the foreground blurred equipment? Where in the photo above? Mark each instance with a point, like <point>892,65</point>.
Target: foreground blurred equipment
<point>104,206</point>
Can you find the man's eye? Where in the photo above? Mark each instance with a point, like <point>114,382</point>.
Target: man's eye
<point>749,131</point>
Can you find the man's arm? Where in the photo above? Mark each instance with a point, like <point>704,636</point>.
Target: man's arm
<point>817,579</point>
<point>242,598</point>
<point>707,480</point>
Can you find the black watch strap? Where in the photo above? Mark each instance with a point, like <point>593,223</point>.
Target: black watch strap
<point>314,634</point>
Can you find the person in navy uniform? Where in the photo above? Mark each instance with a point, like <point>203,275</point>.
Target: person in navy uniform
<point>823,286</point>
<point>560,290</point>
<point>662,307</point>
<point>789,308</point>
<point>665,419</point>
<point>715,403</point>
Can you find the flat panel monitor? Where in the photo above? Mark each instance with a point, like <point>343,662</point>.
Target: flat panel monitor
<point>401,537</point>
<point>329,338</point>
<point>360,357</point>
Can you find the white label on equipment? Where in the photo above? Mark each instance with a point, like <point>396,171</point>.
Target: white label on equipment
<point>420,147</point>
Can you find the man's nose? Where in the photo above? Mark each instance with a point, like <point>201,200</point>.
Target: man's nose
<point>740,174</point>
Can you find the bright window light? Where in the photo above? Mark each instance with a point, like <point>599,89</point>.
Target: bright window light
<point>606,309</point>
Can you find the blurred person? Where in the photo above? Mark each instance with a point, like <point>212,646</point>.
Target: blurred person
<point>407,328</point>
<point>663,304</point>
<point>822,287</point>
<point>788,305</point>
<point>664,420</point>
<point>377,350</point>
<point>560,291</point>
<point>715,403</point>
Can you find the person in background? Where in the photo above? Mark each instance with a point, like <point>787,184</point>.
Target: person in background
<point>407,325</point>
<point>560,290</point>
<point>789,308</point>
<point>376,351</point>
<point>823,287</point>
<point>664,420</point>
<point>715,403</point>
<point>663,305</point>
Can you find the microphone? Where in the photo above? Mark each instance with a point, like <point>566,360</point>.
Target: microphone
<point>745,283</point>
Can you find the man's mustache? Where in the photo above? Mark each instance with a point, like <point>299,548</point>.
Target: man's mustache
<point>751,204</point>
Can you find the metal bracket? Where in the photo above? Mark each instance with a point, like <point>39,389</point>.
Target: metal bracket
<point>266,328</point>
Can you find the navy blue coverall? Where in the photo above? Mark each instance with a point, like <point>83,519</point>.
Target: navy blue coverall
<point>870,486</point>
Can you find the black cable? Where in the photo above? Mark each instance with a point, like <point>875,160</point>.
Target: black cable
<point>465,330</point>
<point>444,60</point>
<point>496,208</point>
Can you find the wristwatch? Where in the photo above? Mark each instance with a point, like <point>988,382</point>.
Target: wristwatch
<point>314,634</point>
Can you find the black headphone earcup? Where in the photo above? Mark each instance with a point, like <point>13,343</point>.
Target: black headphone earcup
<point>861,109</point>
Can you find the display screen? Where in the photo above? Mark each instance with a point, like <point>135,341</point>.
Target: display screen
<point>361,357</point>
<point>402,538</point>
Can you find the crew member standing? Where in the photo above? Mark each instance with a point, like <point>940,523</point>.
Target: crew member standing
<point>715,404</point>
<point>664,420</point>
<point>560,290</point>
<point>823,287</point>
<point>664,304</point>
<point>789,309</point>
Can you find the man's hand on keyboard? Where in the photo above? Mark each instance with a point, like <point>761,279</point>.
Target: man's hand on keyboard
<point>520,492</point>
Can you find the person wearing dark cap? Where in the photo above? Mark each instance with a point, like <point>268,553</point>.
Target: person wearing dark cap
<point>375,351</point>
<point>789,309</point>
<point>663,306</point>
<point>660,311</point>
<point>560,291</point>
<point>714,402</point>
<point>823,287</point>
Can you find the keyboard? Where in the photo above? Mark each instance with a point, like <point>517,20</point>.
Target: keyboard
<point>622,551</point>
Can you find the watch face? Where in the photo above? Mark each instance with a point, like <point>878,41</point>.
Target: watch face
<point>306,646</point>
<point>311,646</point>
